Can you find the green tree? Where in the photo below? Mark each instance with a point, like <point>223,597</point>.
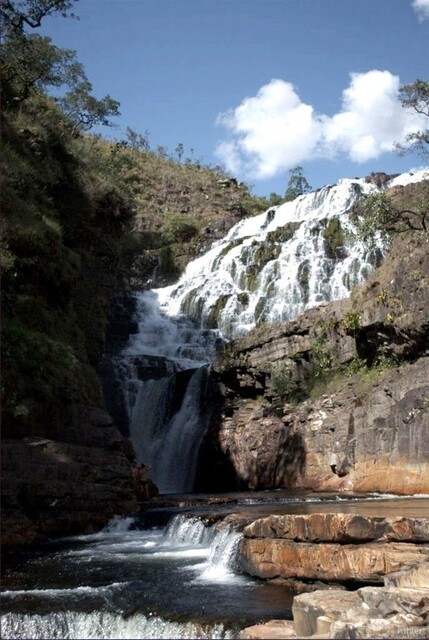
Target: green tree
<point>17,14</point>
<point>382,216</point>
<point>415,96</point>
<point>297,184</point>
<point>33,66</point>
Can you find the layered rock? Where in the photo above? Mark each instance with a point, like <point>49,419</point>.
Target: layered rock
<point>348,380</point>
<point>333,547</point>
<point>398,609</point>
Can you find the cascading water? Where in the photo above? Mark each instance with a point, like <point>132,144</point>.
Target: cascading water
<point>268,268</point>
<point>165,370</point>
<point>274,266</point>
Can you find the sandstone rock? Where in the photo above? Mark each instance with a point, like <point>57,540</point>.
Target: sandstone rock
<point>308,607</point>
<point>372,433</point>
<point>272,557</point>
<point>272,630</point>
<point>415,576</point>
<point>339,527</point>
<point>370,612</point>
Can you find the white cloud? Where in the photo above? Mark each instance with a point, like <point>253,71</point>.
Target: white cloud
<point>269,132</point>
<point>275,130</point>
<point>421,7</point>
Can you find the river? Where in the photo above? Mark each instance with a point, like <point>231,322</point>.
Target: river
<point>168,572</point>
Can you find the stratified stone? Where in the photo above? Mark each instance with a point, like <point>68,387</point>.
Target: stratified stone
<point>272,557</point>
<point>339,527</point>
<point>370,612</point>
<point>416,576</point>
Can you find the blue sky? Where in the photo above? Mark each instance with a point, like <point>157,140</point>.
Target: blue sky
<point>259,85</point>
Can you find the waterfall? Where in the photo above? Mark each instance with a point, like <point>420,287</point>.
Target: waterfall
<point>268,268</point>
<point>164,368</point>
<point>185,530</point>
<point>273,266</point>
<point>221,545</point>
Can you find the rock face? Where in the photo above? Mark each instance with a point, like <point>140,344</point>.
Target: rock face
<point>349,382</point>
<point>357,563</point>
<point>65,487</point>
<point>293,544</point>
<point>333,547</point>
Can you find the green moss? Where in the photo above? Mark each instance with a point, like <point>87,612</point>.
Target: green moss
<point>334,238</point>
<point>243,298</point>
<point>283,234</point>
<point>304,279</point>
<point>215,311</point>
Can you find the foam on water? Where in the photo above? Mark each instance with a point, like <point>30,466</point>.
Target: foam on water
<point>74,625</point>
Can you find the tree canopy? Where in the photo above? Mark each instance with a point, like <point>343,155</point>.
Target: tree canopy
<point>415,96</point>
<point>297,184</point>
<point>33,66</point>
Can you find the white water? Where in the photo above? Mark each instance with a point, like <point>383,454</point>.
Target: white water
<point>185,540</point>
<point>237,288</point>
<point>268,268</point>
<point>71,624</point>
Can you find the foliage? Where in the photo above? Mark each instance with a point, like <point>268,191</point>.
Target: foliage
<point>32,64</point>
<point>297,184</point>
<point>415,96</point>
<point>178,229</point>
<point>282,383</point>
<point>334,238</point>
<point>381,216</point>
<point>16,14</point>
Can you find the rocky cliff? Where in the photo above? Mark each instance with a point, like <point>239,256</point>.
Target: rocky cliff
<point>337,399</point>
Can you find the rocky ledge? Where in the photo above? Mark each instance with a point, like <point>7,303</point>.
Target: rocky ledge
<point>333,546</point>
<point>52,487</point>
<point>392,552</point>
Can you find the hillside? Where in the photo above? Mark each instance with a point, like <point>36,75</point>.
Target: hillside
<point>82,217</point>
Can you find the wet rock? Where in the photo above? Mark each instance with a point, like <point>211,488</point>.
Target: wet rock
<point>57,488</point>
<point>272,557</point>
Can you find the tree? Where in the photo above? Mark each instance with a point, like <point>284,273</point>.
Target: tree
<point>32,66</point>
<point>30,13</point>
<point>297,184</point>
<point>382,216</point>
<point>415,96</point>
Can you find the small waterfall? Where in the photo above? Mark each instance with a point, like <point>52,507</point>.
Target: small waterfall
<point>189,531</point>
<point>222,560</point>
<point>101,624</point>
<point>221,545</point>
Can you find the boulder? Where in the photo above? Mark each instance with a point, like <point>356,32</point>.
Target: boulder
<point>272,630</point>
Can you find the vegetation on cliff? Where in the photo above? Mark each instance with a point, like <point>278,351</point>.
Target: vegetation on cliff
<point>76,209</point>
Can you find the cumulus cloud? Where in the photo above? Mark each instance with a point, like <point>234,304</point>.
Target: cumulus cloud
<point>269,132</point>
<point>275,130</point>
<point>421,7</point>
